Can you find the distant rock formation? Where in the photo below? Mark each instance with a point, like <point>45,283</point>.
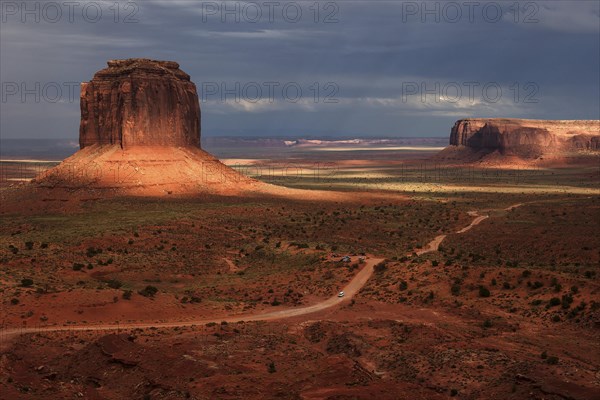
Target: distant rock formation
<point>522,136</point>
<point>140,102</point>
<point>527,139</point>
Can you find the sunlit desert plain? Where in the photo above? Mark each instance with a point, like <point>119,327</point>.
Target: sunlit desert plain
<point>462,280</point>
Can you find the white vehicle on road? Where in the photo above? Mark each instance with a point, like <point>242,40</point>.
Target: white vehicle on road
<point>341,294</point>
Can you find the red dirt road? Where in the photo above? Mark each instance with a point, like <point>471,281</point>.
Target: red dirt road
<point>359,280</point>
<point>350,290</point>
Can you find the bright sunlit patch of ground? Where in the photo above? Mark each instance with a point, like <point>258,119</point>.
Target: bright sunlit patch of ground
<point>398,148</point>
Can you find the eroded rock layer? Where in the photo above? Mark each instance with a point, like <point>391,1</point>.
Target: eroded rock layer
<point>527,138</point>
<point>140,135</point>
<point>140,102</point>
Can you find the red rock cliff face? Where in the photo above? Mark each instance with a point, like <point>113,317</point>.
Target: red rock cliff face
<point>140,102</point>
<point>526,137</point>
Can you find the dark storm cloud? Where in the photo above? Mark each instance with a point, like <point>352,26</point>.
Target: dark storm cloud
<point>543,55</point>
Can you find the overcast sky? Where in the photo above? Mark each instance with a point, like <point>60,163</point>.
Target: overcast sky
<point>364,68</point>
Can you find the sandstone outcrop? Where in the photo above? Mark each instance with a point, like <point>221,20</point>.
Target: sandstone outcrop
<point>140,135</point>
<point>526,138</point>
<point>140,102</point>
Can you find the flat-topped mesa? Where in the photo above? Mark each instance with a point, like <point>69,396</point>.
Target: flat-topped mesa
<point>528,138</point>
<point>140,102</point>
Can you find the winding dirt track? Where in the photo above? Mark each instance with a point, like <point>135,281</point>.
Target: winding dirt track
<point>359,280</point>
<point>350,290</point>
<point>434,245</point>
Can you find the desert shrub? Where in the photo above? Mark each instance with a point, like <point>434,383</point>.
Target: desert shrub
<point>434,263</point>
<point>77,266</point>
<point>91,251</point>
<point>537,284</point>
<point>506,285</point>
<point>114,284</point>
<point>127,294</point>
<point>574,289</point>
<point>575,311</point>
<point>403,285</point>
<point>26,282</point>
<point>148,291</point>
<point>455,289</point>
<point>553,302</point>
<point>271,367</point>
<point>29,245</point>
<point>44,246</point>
<point>315,332</point>
<point>552,360</point>
<point>14,301</point>
<point>566,301</point>
<point>275,302</point>
<point>487,323</point>
<point>557,287</point>
<point>380,268</point>
<point>590,274</point>
<point>526,273</point>
<point>300,245</point>
<point>484,292</point>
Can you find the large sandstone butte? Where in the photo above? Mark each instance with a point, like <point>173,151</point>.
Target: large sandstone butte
<point>139,102</point>
<point>527,139</point>
<point>140,135</point>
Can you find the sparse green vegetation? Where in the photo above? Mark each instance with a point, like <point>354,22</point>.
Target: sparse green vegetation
<point>26,282</point>
<point>148,291</point>
<point>455,289</point>
<point>553,302</point>
<point>77,266</point>
<point>114,284</point>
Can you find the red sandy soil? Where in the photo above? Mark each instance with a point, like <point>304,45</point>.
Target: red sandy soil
<point>402,331</point>
<point>104,172</point>
<point>378,342</point>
